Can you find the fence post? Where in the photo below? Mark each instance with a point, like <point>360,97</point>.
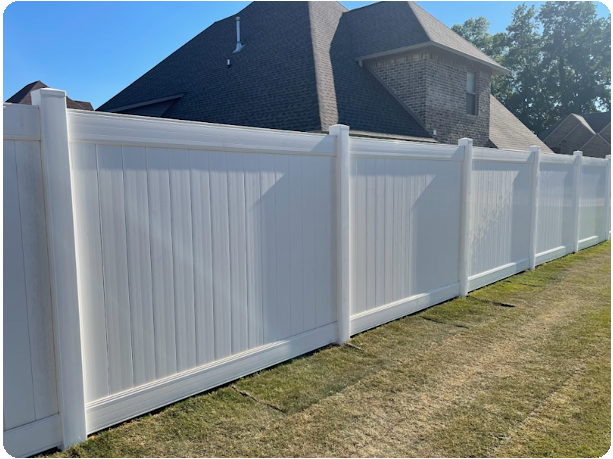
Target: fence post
<point>467,168</point>
<point>607,202</point>
<point>577,184</point>
<point>62,260</point>
<point>343,237</point>
<point>536,157</point>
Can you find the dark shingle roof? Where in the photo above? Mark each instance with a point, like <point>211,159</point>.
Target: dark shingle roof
<point>298,70</point>
<point>270,83</point>
<point>24,96</point>
<point>406,24</point>
<point>598,121</point>
<point>507,132</point>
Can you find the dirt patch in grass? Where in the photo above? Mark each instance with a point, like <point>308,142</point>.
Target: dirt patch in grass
<point>469,377</point>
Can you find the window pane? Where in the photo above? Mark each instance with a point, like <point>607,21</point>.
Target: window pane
<point>471,104</point>
<point>471,82</point>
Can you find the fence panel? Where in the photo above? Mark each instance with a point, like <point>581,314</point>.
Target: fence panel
<point>555,208</point>
<point>404,228</point>
<point>30,392</point>
<point>499,215</point>
<point>592,210</point>
<point>208,252</point>
<point>203,254</point>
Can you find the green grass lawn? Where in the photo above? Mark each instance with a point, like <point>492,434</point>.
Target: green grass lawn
<point>520,368</point>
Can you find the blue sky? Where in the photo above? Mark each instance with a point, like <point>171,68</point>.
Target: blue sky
<point>92,50</point>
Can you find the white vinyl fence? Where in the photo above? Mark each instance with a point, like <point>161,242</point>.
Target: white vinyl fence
<point>147,260</point>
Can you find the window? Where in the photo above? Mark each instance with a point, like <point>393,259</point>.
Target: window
<point>471,93</point>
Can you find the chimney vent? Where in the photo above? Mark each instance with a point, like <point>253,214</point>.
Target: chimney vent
<point>239,46</point>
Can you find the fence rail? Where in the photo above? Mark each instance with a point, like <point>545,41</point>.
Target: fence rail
<point>155,259</point>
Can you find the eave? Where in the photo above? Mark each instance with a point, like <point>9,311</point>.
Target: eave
<point>496,69</point>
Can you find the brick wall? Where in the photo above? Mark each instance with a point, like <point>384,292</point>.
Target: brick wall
<point>434,89</point>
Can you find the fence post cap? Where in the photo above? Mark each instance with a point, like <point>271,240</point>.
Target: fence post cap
<point>38,94</point>
<point>339,127</point>
<point>465,141</point>
<point>577,153</point>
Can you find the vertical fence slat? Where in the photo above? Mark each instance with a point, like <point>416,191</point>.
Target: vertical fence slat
<point>203,257</point>
<point>38,288</point>
<point>139,263</point>
<point>221,254</point>
<point>158,184</point>
<point>283,287</point>
<point>91,288</point>
<point>18,390</point>
<point>183,257</point>
<point>253,225</point>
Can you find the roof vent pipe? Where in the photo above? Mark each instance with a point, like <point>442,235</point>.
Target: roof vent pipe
<point>239,46</point>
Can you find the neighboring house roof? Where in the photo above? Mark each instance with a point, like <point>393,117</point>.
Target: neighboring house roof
<point>597,121</point>
<point>507,132</point>
<point>589,133</point>
<point>311,80</point>
<point>24,96</point>
<point>542,135</point>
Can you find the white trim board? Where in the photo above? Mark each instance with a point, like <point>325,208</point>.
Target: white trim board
<point>552,254</point>
<point>493,275</point>
<point>134,402</point>
<point>33,438</point>
<point>589,241</point>
<point>397,149</point>
<point>117,129</point>
<point>392,311</point>
<point>502,156</point>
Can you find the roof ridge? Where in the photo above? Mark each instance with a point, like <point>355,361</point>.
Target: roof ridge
<point>585,123</point>
<point>425,29</point>
<point>430,30</point>
<point>592,138</point>
<point>327,104</point>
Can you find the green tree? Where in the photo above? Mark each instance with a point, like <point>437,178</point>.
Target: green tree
<point>523,92</point>
<point>576,56</point>
<point>559,58</point>
<point>477,32</point>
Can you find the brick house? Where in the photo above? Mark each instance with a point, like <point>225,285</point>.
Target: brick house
<point>387,70</point>
<point>590,133</point>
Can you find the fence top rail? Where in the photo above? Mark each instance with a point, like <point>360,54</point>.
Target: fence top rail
<point>557,159</point>
<point>588,161</point>
<point>132,130</point>
<point>21,122</point>
<point>505,156</point>
<point>402,149</point>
